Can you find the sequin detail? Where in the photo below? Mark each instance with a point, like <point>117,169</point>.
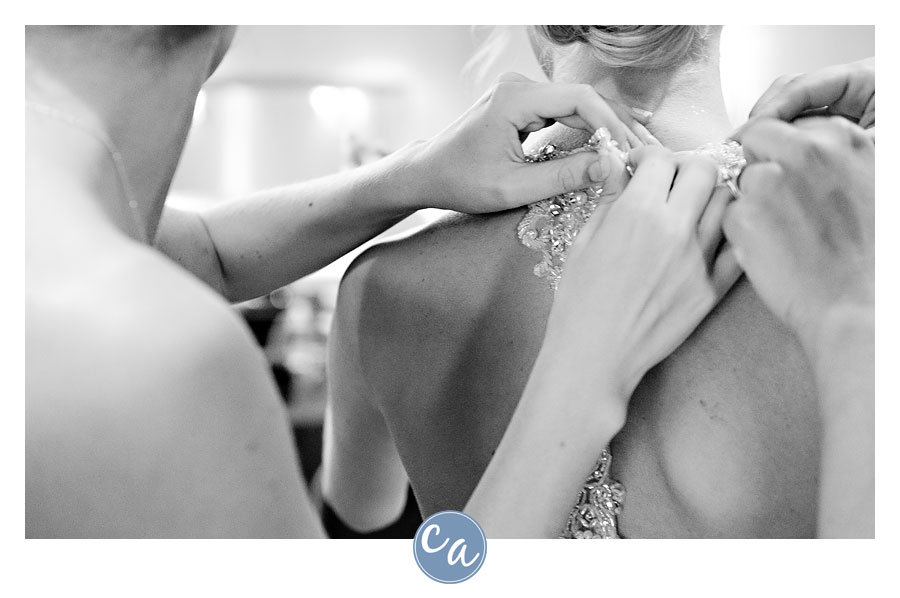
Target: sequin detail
<point>594,516</point>
<point>551,225</point>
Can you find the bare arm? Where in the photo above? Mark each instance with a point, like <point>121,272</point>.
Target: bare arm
<point>638,280</point>
<point>363,479</point>
<point>251,246</point>
<point>843,358</point>
<point>641,277</point>
<point>805,230</point>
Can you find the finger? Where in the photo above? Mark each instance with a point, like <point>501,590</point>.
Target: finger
<point>867,120</point>
<point>844,89</point>
<point>617,180</point>
<point>834,129</point>
<point>774,90</point>
<point>767,139</point>
<point>545,179</point>
<point>534,127</point>
<point>644,134</point>
<point>757,178</point>
<point>733,225</point>
<point>635,121</point>
<point>578,106</point>
<point>743,227</point>
<point>619,176</point>
<point>693,187</point>
<point>654,171</point>
<point>631,140</point>
<point>709,230</point>
<point>725,270</point>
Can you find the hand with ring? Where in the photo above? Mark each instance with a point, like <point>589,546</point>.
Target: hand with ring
<point>846,90</point>
<point>803,229</point>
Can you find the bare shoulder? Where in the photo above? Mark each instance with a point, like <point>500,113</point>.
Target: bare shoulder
<point>422,295</point>
<point>441,272</point>
<point>150,411</point>
<point>131,322</point>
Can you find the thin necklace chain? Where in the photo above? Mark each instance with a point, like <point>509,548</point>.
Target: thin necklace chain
<point>115,155</point>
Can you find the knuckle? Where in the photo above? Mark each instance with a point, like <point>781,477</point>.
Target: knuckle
<point>813,151</point>
<point>758,130</point>
<point>847,132</point>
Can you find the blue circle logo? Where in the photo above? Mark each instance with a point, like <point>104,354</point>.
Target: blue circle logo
<point>449,547</point>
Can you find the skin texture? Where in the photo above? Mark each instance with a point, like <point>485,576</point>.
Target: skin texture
<point>150,411</point>
<point>710,448</point>
<point>809,207</point>
<point>435,336</point>
<point>191,439</point>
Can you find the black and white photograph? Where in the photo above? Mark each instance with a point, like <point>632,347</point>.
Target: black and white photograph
<point>570,281</point>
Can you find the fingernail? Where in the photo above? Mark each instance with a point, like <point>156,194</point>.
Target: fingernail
<point>641,113</point>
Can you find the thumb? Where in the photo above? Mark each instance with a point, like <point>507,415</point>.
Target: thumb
<point>541,180</point>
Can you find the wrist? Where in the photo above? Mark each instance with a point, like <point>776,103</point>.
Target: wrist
<point>405,179</point>
<point>836,329</point>
<point>585,387</point>
<point>826,314</point>
<point>585,344</point>
<point>841,349</point>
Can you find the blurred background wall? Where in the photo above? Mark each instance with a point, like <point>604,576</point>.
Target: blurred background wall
<point>291,103</point>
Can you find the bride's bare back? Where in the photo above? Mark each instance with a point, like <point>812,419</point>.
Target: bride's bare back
<point>438,333</point>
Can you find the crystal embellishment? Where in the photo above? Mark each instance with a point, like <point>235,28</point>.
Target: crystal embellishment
<point>594,516</point>
<point>551,225</point>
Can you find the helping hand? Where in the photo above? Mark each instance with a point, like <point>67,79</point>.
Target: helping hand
<point>804,229</point>
<point>846,90</point>
<point>647,270</point>
<point>477,164</point>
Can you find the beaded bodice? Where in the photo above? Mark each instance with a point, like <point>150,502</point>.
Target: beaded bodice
<point>550,227</point>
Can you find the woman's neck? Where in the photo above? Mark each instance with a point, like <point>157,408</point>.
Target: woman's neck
<point>112,114</point>
<point>686,102</point>
<point>73,182</point>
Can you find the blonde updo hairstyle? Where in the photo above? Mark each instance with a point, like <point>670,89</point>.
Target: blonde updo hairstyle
<point>627,46</point>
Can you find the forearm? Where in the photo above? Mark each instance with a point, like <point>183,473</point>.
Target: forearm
<point>843,358</point>
<point>550,447</point>
<point>251,246</point>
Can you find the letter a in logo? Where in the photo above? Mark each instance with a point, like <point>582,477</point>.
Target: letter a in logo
<point>464,537</point>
